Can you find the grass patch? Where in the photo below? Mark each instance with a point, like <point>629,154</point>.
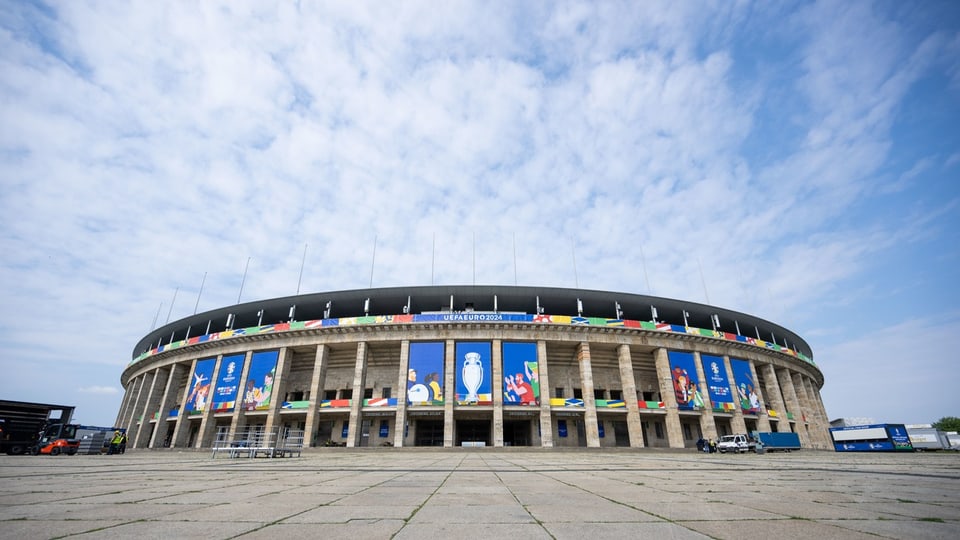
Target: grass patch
<point>906,501</point>
<point>931,520</point>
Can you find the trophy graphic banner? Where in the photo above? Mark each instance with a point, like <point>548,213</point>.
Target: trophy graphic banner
<point>473,373</point>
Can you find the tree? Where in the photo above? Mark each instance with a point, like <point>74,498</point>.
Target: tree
<point>948,423</point>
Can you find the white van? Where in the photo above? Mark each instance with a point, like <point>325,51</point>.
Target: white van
<point>735,443</point>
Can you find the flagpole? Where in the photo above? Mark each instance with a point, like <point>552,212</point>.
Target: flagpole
<point>703,281</point>
<point>157,316</point>
<point>302,262</point>
<point>244,279</point>
<point>373,259</point>
<point>175,291</point>
<point>204,280</point>
<point>646,277</point>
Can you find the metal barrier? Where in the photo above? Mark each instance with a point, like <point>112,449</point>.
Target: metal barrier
<point>278,442</point>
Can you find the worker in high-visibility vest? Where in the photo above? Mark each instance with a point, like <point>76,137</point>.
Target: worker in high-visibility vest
<point>115,442</point>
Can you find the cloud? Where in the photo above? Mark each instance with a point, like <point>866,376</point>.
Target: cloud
<point>145,146</point>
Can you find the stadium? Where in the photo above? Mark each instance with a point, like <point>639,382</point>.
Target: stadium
<point>453,366</point>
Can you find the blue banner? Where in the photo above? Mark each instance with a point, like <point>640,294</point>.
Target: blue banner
<point>686,384</point>
<point>228,382</point>
<point>199,394</point>
<point>425,374</point>
<point>259,389</point>
<point>473,373</point>
<point>718,386</point>
<point>521,374</point>
<point>747,393</point>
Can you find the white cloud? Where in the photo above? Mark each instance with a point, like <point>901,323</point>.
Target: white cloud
<point>144,145</point>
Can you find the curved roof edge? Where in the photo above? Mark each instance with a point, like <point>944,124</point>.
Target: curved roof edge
<point>478,298</point>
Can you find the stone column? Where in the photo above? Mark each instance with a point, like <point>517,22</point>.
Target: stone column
<point>136,404</point>
<point>546,418</point>
<point>763,419</point>
<point>400,420</point>
<point>821,427</point>
<point>151,404</point>
<point>793,405</point>
<point>238,420</point>
<point>207,421</point>
<point>775,399</point>
<point>737,423</point>
<point>708,427</point>
<point>181,431</point>
<point>496,370</point>
<point>586,381</point>
<point>807,413</point>
<point>825,427</point>
<point>815,422</point>
<point>284,362</point>
<point>449,391</point>
<point>629,385</point>
<point>167,402</point>
<point>317,379</point>
<point>664,379</point>
<point>356,404</point>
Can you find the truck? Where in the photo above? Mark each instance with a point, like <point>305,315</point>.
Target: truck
<point>65,439</point>
<point>22,422</point>
<point>740,443</point>
<point>925,437</point>
<point>768,441</point>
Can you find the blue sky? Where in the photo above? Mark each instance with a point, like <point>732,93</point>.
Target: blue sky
<point>805,154</point>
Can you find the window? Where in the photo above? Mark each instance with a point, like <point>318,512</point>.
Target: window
<point>577,393</point>
<point>385,393</point>
<point>616,394</point>
<point>329,395</point>
<point>294,396</point>
<point>658,427</point>
<point>598,393</point>
<point>687,434</point>
<point>368,393</point>
<point>346,393</point>
<point>648,396</point>
<point>558,392</point>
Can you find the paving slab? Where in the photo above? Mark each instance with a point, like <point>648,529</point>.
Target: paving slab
<point>484,492</point>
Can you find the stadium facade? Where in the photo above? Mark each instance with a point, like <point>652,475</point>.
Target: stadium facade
<point>472,366</point>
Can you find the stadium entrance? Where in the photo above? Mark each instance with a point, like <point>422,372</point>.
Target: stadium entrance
<point>473,432</point>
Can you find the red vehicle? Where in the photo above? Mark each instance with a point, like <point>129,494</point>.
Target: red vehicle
<point>59,439</point>
<point>22,423</point>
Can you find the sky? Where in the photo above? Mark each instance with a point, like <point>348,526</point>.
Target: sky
<point>797,161</point>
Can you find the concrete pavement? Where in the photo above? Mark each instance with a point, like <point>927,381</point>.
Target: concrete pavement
<point>480,493</point>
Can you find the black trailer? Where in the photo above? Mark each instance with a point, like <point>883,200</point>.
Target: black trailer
<point>22,422</point>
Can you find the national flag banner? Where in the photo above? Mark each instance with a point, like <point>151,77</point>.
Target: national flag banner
<point>376,402</point>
